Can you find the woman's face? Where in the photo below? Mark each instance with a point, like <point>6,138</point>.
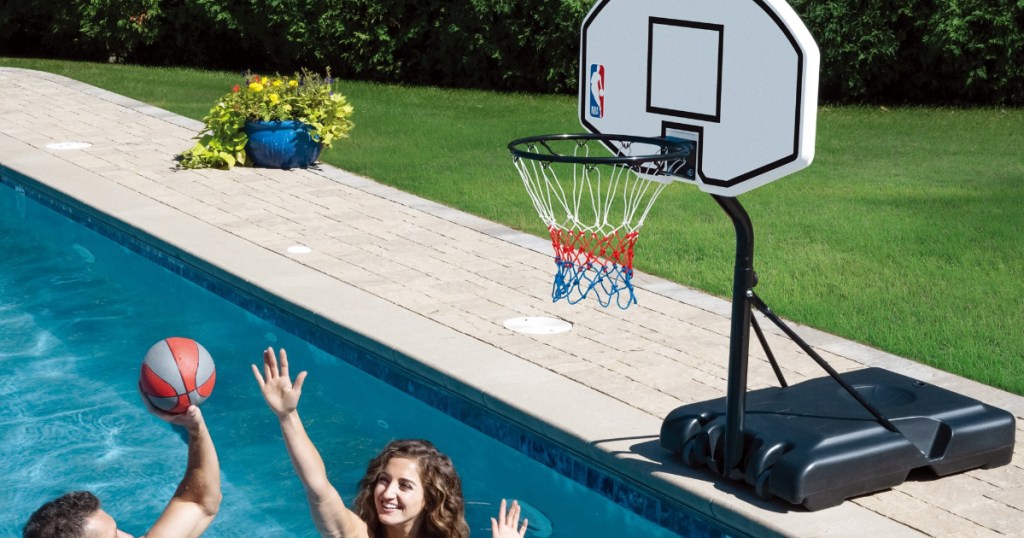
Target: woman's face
<point>399,494</point>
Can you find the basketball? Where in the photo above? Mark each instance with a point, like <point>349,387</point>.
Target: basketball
<point>176,373</point>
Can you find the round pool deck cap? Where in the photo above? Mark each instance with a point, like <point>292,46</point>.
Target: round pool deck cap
<point>69,145</point>
<point>537,325</point>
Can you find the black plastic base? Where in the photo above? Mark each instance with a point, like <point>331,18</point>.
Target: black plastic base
<point>813,444</point>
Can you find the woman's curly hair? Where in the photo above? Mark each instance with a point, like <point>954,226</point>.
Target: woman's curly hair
<point>444,512</point>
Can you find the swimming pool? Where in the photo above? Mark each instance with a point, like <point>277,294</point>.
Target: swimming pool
<point>77,310</point>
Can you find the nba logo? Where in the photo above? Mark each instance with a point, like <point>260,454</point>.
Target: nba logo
<point>596,91</point>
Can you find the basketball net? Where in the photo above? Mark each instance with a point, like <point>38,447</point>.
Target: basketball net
<point>594,212</point>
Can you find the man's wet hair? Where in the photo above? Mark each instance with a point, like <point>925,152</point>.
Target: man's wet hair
<point>63,517</point>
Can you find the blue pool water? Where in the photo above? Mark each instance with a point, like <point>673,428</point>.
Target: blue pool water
<point>77,312</point>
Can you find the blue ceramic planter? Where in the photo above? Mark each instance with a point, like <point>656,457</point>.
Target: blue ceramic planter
<point>281,144</point>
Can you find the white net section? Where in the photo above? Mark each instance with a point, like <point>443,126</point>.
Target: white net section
<point>594,206</point>
<point>601,199</point>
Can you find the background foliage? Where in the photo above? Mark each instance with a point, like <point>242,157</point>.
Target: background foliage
<point>919,51</point>
<point>524,45</point>
<point>873,51</point>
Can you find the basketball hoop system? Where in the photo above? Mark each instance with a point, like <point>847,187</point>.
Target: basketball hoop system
<point>594,202</point>
<point>709,119</point>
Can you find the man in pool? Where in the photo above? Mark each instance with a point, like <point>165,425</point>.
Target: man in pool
<point>190,511</point>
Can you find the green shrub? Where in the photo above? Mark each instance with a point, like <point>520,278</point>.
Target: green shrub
<point>118,26</point>
<point>39,27</point>
<point>858,46</point>
<point>974,47</point>
<point>921,51</point>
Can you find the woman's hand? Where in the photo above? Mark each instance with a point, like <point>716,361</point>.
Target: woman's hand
<point>276,385</point>
<point>505,525</point>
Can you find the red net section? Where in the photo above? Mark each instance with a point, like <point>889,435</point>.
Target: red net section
<point>589,262</point>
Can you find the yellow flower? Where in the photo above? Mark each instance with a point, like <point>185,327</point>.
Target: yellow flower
<point>293,83</point>
<point>256,87</point>
<point>277,83</point>
<point>274,98</point>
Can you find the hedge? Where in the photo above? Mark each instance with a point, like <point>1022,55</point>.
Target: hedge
<point>919,51</point>
<point>891,51</point>
<point>522,45</point>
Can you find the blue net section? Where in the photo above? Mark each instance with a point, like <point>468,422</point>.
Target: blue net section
<point>608,283</point>
<point>591,264</point>
<point>593,192</point>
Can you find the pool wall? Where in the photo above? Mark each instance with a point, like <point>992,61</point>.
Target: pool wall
<point>400,364</point>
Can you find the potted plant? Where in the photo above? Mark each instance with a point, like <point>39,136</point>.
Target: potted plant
<point>276,122</point>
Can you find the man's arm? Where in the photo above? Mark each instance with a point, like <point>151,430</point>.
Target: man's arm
<point>331,516</point>
<point>197,499</point>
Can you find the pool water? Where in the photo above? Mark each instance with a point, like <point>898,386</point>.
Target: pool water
<point>78,311</point>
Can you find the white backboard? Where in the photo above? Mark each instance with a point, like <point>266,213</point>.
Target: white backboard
<point>737,77</point>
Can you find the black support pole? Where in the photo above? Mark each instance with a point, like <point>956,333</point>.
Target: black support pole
<point>739,340</point>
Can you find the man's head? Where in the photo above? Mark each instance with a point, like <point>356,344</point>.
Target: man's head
<point>72,515</point>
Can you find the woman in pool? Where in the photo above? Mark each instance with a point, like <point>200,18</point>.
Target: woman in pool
<point>410,489</point>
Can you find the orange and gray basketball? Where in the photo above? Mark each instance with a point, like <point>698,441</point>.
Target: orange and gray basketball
<point>176,373</point>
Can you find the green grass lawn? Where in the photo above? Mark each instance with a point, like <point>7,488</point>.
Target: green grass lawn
<point>903,234</point>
